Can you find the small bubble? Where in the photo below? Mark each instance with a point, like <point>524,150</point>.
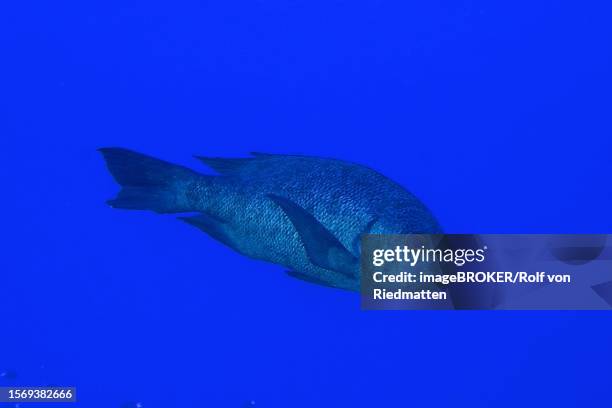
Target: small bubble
<point>132,404</point>
<point>8,374</point>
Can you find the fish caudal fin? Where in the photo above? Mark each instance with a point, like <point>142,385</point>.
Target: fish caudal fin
<point>148,183</point>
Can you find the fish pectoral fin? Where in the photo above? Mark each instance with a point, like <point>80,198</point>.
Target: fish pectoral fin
<point>322,247</point>
<point>213,226</point>
<point>309,279</point>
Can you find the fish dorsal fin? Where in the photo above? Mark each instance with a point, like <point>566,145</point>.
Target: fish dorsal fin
<point>322,247</point>
<point>237,165</point>
<point>243,165</point>
<point>261,155</point>
<point>264,155</point>
<point>226,166</point>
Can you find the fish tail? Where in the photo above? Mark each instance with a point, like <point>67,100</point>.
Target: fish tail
<point>149,183</point>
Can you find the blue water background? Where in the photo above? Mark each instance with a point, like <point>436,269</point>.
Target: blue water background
<point>496,114</point>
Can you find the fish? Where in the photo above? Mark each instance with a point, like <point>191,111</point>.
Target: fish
<point>304,213</point>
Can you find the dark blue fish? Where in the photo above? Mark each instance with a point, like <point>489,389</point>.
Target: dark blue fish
<point>305,213</point>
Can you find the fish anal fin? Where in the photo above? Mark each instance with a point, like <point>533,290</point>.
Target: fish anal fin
<point>211,225</point>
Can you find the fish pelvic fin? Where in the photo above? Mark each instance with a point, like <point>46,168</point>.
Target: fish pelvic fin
<point>310,279</point>
<point>356,247</point>
<point>604,290</point>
